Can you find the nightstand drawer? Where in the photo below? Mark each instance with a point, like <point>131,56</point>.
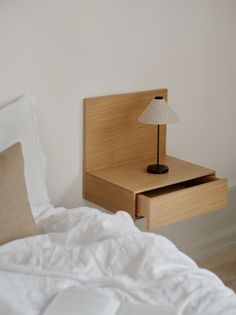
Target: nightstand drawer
<point>181,201</point>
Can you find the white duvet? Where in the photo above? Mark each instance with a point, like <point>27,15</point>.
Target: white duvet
<point>85,248</point>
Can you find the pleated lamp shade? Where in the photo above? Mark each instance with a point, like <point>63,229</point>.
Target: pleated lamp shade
<point>158,112</point>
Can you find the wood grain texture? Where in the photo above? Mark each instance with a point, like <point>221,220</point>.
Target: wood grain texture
<point>117,151</point>
<point>172,204</point>
<point>110,197</point>
<point>112,134</point>
<point>133,176</point>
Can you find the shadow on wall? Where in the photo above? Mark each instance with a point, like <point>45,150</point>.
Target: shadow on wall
<point>73,197</point>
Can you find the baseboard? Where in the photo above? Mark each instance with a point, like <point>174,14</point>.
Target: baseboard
<point>209,244</point>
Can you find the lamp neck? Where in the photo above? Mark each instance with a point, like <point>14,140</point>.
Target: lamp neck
<point>158,144</point>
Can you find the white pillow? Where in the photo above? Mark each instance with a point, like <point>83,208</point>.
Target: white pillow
<point>18,124</point>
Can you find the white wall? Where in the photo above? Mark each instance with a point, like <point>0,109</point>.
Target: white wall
<point>65,50</point>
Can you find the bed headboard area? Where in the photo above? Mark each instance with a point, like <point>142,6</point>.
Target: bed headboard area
<point>114,138</point>
<point>117,151</point>
<point>112,135</point>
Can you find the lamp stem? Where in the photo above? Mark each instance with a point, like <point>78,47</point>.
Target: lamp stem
<point>158,143</point>
<point>157,168</point>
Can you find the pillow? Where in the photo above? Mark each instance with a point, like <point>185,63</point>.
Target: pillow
<point>16,220</point>
<point>18,124</point>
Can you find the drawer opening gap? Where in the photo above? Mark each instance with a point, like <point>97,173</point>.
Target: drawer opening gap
<point>183,185</point>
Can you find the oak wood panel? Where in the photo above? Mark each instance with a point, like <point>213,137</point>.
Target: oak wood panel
<point>117,150</point>
<point>112,134</point>
<point>182,202</point>
<point>109,196</point>
<point>133,176</point>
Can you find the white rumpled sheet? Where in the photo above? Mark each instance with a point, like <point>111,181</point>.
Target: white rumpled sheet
<point>92,250</point>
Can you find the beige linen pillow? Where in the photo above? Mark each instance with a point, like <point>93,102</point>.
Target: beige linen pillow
<point>16,219</point>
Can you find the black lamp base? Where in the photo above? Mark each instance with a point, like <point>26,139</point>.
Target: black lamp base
<point>157,169</point>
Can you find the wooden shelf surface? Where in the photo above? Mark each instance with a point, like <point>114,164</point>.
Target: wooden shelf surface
<point>134,177</point>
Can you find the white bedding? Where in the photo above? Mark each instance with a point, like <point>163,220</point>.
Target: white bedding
<point>85,248</point>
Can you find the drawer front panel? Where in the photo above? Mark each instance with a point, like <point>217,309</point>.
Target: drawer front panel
<point>170,207</point>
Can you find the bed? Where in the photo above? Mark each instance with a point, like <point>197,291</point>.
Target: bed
<point>94,251</point>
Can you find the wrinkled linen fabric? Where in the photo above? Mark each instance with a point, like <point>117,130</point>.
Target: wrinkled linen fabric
<point>89,249</point>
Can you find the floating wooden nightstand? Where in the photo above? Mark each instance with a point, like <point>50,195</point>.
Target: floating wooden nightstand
<point>117,150</point>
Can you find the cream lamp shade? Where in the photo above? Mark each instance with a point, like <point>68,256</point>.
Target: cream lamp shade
<point>158,112</point>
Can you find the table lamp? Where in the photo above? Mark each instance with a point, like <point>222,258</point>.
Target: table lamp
<point>158,112</point>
